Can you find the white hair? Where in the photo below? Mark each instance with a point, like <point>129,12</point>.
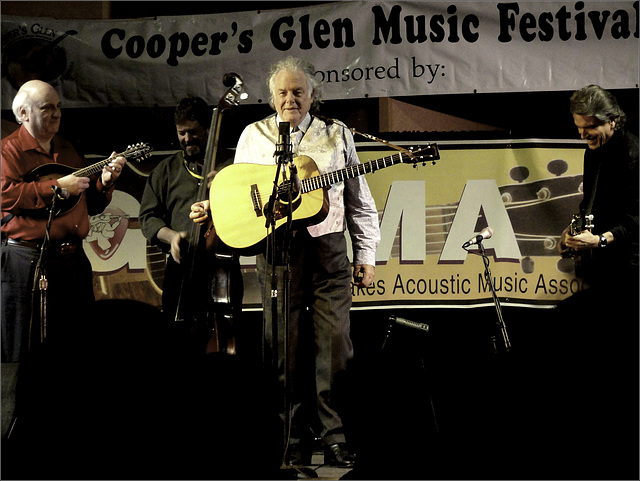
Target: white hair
<point>20,101</point>
<point>293,64</point>
<point>25,97</point>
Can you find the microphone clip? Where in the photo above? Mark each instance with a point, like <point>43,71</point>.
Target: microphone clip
<point>283,153</point>
<point>486,233</point>
<point>60,192</point>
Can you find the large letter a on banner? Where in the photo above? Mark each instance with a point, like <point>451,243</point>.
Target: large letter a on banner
<point>481,198</point>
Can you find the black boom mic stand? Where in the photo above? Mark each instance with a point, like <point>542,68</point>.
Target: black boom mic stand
<point>496,301</point>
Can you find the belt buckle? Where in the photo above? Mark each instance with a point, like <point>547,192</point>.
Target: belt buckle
<point>67,248</point>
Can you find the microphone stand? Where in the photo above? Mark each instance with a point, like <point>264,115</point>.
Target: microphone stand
<point>40,282</point>
<point>38,291</point>
<point>284,157</point>
<point>496,301</point>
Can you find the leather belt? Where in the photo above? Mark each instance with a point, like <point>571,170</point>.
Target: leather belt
<point>59,247</point>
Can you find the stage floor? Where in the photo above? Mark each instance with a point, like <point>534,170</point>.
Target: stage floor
<point>128,401</point>
<point>318,469</point>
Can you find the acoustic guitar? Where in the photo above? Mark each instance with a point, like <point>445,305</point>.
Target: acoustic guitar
<point>51,171</point>
<point>239,194</point>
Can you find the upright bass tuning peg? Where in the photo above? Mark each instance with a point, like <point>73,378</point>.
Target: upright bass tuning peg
<point>230,79</point>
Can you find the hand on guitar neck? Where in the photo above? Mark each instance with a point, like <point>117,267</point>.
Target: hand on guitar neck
<point>586,240</point>
<point>577,237</point>
<point>112,170</point>
<point>75,185</point>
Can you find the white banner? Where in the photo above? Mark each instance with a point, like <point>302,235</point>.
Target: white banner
<point>360,49</point>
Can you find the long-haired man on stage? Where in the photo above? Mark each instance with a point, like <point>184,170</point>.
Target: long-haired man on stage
<point>595,333</point>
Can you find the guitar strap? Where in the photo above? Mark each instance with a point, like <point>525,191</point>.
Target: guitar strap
<point>368,136</point>
<point>303,132</point>
<point>7,218</point>
<point>594,187</point>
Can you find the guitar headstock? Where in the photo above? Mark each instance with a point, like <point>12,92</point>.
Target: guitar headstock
<point>424,154</point>
<point>138,152</point>
<point>232,97</point>
<point>580,222</point>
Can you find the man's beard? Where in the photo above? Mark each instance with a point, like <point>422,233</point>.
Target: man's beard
<point>193,157</point>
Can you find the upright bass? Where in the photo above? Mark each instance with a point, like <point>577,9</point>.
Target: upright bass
<point>211,290</point>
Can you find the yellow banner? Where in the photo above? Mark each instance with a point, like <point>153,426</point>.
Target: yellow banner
<point>525,190</point>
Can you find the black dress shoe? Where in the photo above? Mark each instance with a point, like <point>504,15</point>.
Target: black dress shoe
<point>339,456</point>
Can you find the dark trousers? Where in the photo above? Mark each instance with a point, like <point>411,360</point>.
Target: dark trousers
<point>69,304</point>
<point>593,378</point>
<point>318,329</point>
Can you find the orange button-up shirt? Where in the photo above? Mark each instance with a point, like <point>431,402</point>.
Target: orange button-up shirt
<point>21,153</point>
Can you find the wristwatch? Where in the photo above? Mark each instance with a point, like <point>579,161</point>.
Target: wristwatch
<point>602,242</point>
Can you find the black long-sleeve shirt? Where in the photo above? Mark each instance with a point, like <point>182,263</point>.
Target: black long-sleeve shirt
<point>614,167</point>
<point>167,198</point>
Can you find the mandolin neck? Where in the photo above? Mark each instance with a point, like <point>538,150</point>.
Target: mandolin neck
<point>92,169</point>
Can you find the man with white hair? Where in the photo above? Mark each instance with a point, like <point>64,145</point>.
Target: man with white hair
<point>318,334</point>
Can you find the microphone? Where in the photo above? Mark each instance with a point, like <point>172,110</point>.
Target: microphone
<point>283,151</point>
<point>485,233</point>
<point>407,323</point>
<point>60,192</point>
<point>283,147</point>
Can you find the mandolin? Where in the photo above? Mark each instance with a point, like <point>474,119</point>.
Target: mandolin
<point>52,171</point>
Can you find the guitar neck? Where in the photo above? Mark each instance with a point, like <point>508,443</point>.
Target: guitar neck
<point>325,180</point>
